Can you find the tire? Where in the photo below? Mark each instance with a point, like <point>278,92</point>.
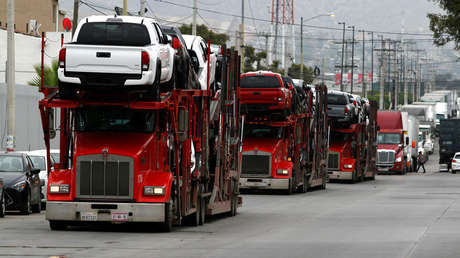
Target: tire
<point>166,226</point>
<point>323,185</point>
<point>203,207</point>
<point>353,177</point>
<point>454,172</point>
<point>27,208</point>
<point>154,90</point>
<point>289,190</point>
<point>66,91</point>
<point>234,206</point>
<point>2,206</point>
<point>194,219</point>
<point>37,208</point>
<point>171,85</point>
<point>305,185</point>
<point>57,225</point>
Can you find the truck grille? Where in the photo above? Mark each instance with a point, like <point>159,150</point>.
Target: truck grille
<point>109,177</point>
<point>256,164</point>
<point>333,160</point>
<point>385,157</point>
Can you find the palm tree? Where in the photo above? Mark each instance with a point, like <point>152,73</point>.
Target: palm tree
<point>50,75</point>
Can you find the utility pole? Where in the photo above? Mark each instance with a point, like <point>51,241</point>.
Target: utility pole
<point>372,62</point>
<point>275,48</point>
<point>382,76</point>
<point>242,37</point>
<point>363,89</point>
<point>76,4</point>
<point>125,7</point>
<point>406,86</point>
<point>301,48</point>
<point>343,50</point>
<point>142,10</point>
<point>195,10</point>
<point>352,57</point>
<point>11,83</point>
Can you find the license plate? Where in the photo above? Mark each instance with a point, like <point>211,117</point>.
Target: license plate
<point>89,216</point>
<point>383,169</point>
<point>119,216</point>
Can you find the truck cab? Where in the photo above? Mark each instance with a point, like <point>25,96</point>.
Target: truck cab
<point>345,150</point>
<point>266,162</point>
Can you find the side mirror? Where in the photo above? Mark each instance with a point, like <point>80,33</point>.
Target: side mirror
<point>195,63</point>
<point>52,130</point>
<point>176,43</point>
<point>35,171</point>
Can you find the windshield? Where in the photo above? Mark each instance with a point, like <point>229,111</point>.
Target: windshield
<point>114,119</point>
<point>11,164</point>
<point>117,34</point>
<point>38,162</point>
<point>260,82</point>
<point>388,138</point>
<point>262,131</point>
<point>55,157</point>
<point>339,137</point>
<point>440,116</point>
<point>336,99</point>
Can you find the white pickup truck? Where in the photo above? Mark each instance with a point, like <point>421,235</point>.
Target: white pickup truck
<point>116,51</point>
<point>198,50</point>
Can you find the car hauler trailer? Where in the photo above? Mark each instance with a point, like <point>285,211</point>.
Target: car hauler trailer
<point>286,153</point>
<point>449,143</point>
<point>124,158</point>
<point>353,149</point>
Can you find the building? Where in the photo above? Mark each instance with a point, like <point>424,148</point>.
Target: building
<point>33,16</point>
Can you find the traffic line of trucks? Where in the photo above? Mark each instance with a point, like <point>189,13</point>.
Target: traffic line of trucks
<point>144,137</point>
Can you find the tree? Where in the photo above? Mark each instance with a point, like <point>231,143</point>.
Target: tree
<point>50,75</point>
<point>251,58</point>
<point>294,72</point>
<point>207,34</point>
<point>446,26</point>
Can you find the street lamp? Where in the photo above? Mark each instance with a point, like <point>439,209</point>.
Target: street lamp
<point>301,37</point>
<point>352,57</point>
<point>343,50</point>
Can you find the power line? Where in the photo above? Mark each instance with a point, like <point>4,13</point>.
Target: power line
<point>296,24</point>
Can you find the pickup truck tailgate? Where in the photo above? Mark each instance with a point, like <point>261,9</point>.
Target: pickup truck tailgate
<point>336,110</point>
<point>103,59</point>
<point>260,95</point>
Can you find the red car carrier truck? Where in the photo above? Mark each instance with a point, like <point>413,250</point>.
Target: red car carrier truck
<point>353,148</point>
<point>282,150</point>
<point>125,158</point>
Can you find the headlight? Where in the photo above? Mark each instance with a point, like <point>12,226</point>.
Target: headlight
<point>59,188</point>
<point>154,190</point>
<point>348,166</point>
<point>20,185</point>
<point>283,172</point>
<point>398,159</point>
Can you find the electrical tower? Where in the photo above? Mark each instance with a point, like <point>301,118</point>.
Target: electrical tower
<point>282,20</point>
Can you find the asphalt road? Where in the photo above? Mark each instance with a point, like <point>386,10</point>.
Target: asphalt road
<point>417,215</point>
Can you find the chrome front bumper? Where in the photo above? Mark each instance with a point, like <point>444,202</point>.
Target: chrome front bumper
<point>340,175</point>
<point>264,183</point>
<point>95,211</point>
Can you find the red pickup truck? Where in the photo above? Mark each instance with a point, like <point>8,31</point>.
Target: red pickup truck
<point>265,92</point>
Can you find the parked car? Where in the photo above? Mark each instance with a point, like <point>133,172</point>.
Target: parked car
<point>198,51</point>
<point>38,158</point>
<point>340,107</point>
<point>186,78</point>
<point>262,90</point>
<point>2,200</point>
<point>108,51</point>
<point>21,182</point>
<point>455,163</point>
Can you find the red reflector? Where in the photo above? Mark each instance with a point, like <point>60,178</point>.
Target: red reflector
<point>145,61</point>
<point>62,58</point>
<point>346,110</point>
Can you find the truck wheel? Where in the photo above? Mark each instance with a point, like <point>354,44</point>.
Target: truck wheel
<point>65,90</point>
<point>57,225</point>
<point>289,189</point>
<point>202,211</point>
<point>353,177</point>
<point>2,206</point>
<point>166,226</point>
<point>27,208</point>
<point>37,208</point>
<point>305,185</point>
<point>154,90</point>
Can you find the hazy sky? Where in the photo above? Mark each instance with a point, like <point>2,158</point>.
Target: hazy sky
<point>378,15</point>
